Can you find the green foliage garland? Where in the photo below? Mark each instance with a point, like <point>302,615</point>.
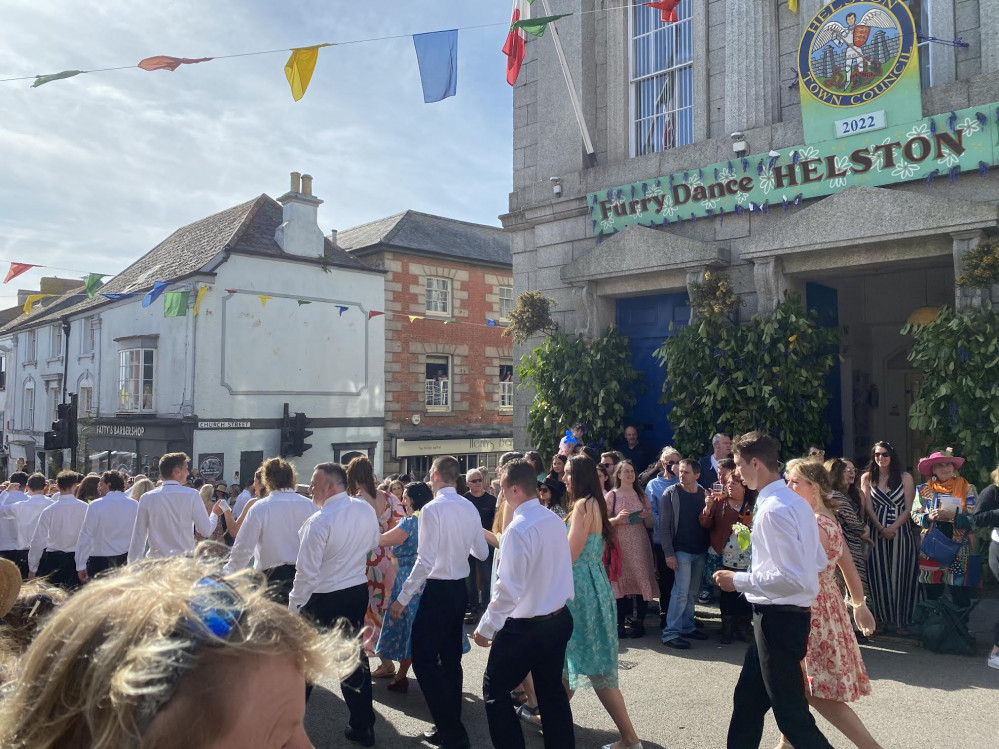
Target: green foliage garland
<point>578,382</point>
<point>768,373</point>
<point>981,265</point>
<point>958,403</point>
<point>531,316</point>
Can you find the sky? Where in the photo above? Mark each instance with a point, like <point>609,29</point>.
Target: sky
<point>96,170</point>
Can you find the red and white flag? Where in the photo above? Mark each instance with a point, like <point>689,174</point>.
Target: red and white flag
<point>514,48</point>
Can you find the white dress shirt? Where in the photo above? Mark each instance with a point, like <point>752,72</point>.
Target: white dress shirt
<point>58,528</point>
<point>787,556</point>
<point>334,551</point>
<point>167,518</point>
<point>239,504</point>
<point>107,528</point>
<point>8,526</point>
<point>450,530</point>
<point>270,531</point>
<point>25,514</point>
<point>535,540</point>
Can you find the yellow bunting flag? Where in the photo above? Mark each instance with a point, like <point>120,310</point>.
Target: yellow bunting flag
<point>415,317</point>
<point>31,299</point>
<point>300,67</point>
<point>792,5</point>
<point>202,290</point>
<point>264,299</point>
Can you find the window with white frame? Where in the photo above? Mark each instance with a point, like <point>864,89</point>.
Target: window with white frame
<point>506,385</point>
<point>52,393</point>
<point>662,79</point>
<point>438,383</point>
<point>439,296</point>
<point>28,412</point>
<point>135,380</point>
<point>55,341</point>
<point>505,302</point>
<point>87,339</point>
<point>31,350</point>
<point>85,401</point>
<point>920,10</point>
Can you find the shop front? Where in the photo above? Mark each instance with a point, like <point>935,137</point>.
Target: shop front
<point>131,445</point>
<point>416,455</point>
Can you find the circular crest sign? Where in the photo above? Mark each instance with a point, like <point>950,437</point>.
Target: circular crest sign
<point>853,51</point>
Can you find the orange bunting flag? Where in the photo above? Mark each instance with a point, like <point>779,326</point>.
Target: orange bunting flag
<point>202,290</point>
<point>29,302</point>
<point>373,313</point>
<point>17,269</point>
<point>264,299</point>
<point>415,317</point>
<point>299,68</point>
<point>165,62</point>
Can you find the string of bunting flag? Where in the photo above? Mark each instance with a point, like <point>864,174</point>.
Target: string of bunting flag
<point>436,52</point>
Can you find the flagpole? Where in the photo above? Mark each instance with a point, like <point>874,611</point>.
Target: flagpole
<point>577,108</point>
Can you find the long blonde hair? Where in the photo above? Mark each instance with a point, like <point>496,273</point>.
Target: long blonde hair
<point>127,644</point>
<point>817,475</point>
<point>140,487</point>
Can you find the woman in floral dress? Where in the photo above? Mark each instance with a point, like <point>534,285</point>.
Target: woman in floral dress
<point>833,665</point>
<point>381,562</point>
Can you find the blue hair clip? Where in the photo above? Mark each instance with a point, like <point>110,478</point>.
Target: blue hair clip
<point>569,439</point>
<point>217,606</point>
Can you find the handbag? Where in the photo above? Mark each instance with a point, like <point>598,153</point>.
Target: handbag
<point>939,548</point>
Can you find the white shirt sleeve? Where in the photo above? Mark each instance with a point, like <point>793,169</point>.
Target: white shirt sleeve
<point>137,548</point>
<point>480,548</point>
<point>85,540</point>
<point>38,540</point>
<point>246,542</point>
<point>783,571</point>
<point>309,562</point>
<point>511,578</point>
<point>426,554</point>
<point>202,524</point>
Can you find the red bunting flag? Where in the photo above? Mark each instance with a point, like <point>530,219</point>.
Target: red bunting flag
<point>165,62</point>
<point>373,313</point>
<point>668,8</point>
<point>231,291</point>
<point>17,269</point>
<point>515,49</point>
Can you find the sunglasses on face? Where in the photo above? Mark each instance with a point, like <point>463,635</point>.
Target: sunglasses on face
<point>608,466</point>
<point>813,453</point>
<point>882,455</point>
<point>672,462</point>
<point>475,481</point>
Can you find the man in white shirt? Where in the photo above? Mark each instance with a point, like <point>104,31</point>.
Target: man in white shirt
<point>252,490</point>
<point>450,530</point>
<point>783,583</point>
<point>331,580</point>
<point>25,514</point>
<point>8,526</point>
<point>527,619</point>
<point>270,531</point>
<point>107,528</point>
<point>169,515</point>
<point>52,547</point>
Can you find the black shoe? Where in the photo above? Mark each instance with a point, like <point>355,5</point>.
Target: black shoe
<point>695,635</point>
<point>636,631</point>
<point>622,633</point>
<point>677,643</point>
<point>433,736</point>
<point>362,736</point>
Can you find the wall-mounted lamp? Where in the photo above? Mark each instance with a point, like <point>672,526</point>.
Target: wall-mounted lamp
<point>556,186</point>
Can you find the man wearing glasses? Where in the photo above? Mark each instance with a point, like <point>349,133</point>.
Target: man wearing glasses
<point>668,460</point>
<point>479,571</point>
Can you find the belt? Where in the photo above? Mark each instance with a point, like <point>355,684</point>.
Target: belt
<point>541,618</point>
<point>782,608</point>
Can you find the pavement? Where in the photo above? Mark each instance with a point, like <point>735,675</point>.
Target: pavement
<point>683,700</point>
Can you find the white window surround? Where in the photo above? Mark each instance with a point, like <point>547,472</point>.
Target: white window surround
<point>437,384</point>
<point>55,341</point>
<point>87,336</point>
<point>85,400</point>
<point>506,302</point>
<point>28,409</point>
<point>136,380</point>
<point>31,347</point>
<point>438,296</point>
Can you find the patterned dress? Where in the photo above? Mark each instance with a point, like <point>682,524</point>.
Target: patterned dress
<point>966,569</point>
<point>591,655</point>
<point>381,575</point>
<point>853,528</point>
<point>638,568</point>
<point>892,569</point>
<point>833,664</point>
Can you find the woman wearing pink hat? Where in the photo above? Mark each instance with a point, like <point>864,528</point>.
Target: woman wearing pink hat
<point>946,504</point>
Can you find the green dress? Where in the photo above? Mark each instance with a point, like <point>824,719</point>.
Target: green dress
<point>591,656</point>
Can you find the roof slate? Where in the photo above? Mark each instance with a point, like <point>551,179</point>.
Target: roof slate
<point>437,235</point>
<point>245,228</point>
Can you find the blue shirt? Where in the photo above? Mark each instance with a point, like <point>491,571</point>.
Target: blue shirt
<point>654,490</point>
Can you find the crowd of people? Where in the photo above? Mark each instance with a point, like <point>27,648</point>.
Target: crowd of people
<point>137,589</point>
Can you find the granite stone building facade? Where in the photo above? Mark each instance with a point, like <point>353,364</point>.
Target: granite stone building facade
<point>670,104</point>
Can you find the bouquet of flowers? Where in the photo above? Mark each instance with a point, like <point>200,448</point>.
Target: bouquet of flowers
<point>742,533</point>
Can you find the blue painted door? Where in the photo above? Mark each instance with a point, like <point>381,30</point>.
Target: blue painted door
<point>646,322</point>
<point>825,301</point>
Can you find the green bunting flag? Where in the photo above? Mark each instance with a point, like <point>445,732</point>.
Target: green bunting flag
<point>92,283</point>
<point>175,303</point>
<point>41,80</point>
<point>302,301</point>
<point>537,26</point>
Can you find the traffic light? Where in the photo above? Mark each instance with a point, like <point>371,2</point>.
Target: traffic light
<point>287,435</point>
<point>63,434</point>
<point>300,433</point>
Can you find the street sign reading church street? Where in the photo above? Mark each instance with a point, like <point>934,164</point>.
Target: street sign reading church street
<point>862,124</point>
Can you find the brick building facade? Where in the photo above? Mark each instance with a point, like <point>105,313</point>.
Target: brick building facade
<point>449,369</point>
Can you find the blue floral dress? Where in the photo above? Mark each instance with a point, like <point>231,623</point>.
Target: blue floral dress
<point>394,642</point>
<point>591,656</point>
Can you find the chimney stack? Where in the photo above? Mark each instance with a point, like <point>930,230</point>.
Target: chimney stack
<point>299,232</point>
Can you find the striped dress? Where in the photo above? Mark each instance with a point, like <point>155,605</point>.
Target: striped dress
<point>853,528</point>
<point>893,567</point>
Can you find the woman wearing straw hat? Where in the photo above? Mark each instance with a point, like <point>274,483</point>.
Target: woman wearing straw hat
<point>946,503</point>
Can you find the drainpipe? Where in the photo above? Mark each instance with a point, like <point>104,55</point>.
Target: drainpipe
<point>187,406</point>
<point>65,359</point>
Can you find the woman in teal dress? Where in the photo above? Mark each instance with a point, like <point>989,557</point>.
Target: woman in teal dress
<point>394,643</point>
<point>591,656</point>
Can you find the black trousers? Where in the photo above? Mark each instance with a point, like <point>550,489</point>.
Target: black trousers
<point>279,582</point>
<point>436,639</point>
<point>772,678</point>
<point>97,565</point>
<point>665,577</point>
<point>326,609</point>
<point>734,603</point>
<point>535,646</point>
<point>18,557</point>
<point>960,595</point>
<point>479,577</point>
<point>60,568</point>
<point>994,565</point>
